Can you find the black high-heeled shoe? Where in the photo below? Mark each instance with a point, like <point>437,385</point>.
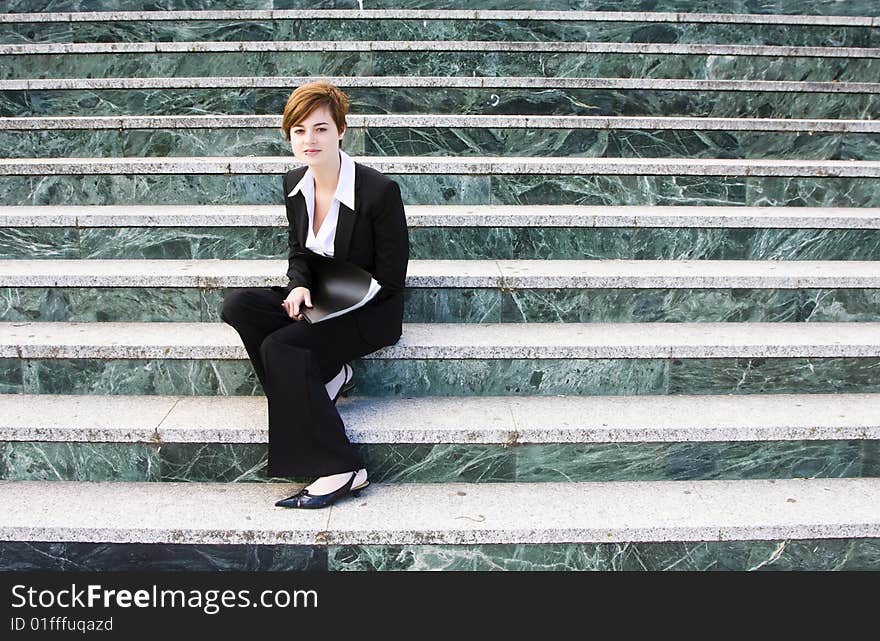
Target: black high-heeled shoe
<point>303,499</point>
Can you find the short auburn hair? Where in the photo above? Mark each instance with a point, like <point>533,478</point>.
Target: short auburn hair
<point>308,97</point>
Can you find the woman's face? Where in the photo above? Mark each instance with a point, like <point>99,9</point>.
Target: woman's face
<point>315,140</point>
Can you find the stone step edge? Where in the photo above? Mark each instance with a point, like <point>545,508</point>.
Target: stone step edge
<point>444,14</point>
<point>452,216</point>
<point>476,121</point>
<point>432,82</point>
<point>458,165</point>
<point>419,46</point>
<point>456,341</point>
<point>490,274</point>
<point>443,513</point>
<point>501,420</point>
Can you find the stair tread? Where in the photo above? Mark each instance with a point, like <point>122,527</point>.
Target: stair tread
<point>473,165</point>
<point>678,17</point>
<point>470,121</point>
<point>473,82</point>
<point>616,273</point>
<point>216,340</point>
<point>489,46</point>
<point>505,420</point>
<point>453,513</point>
<point>451,216</point>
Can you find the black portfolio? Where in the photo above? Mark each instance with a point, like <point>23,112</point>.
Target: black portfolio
<point>337,287</point>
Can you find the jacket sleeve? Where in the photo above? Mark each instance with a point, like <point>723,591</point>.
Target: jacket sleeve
<point>297,269</point>
<point>391,242</point>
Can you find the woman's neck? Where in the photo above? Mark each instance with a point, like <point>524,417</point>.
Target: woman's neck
<point>327,176</point>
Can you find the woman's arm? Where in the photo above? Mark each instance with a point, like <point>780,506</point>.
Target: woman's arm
<point>390,242</point>
<point>297,269</point>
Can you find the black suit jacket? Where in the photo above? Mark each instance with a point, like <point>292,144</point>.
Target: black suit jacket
<point>373,236</point>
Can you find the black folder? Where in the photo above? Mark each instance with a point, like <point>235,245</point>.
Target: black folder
<point>337,287</point>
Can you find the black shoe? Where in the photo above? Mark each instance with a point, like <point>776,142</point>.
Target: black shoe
<point>347,383</point>
<point>305,500</point>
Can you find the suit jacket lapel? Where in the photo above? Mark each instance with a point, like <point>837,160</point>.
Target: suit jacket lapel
<point>345,222</point>
<point>302,218</point>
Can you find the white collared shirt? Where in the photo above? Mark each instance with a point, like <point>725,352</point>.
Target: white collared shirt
<point>323,242</point>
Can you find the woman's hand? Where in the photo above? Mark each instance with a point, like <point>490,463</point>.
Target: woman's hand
<point>297,297</point>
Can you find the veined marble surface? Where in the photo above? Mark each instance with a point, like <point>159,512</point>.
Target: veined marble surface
<point>444,463</point>
<point>165,557</point>
<point>694,61</point>
<point>616,143</point>
<point>544,243</point>
<point>441,63</point>
<point>124,377</point>
<point>469,305</point>
<point>490,101</point>
<point>509,377</point>
<point>448,141</point>
<point>820,555</point>
<point>604,376</point>
<point>591,305</point>
<point>441,189</point>
<point>819,7</point>
<point>106,304</point>
<point>840,554</point>
<point>414,29</point>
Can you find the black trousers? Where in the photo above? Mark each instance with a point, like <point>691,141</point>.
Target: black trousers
<point>293,361</point>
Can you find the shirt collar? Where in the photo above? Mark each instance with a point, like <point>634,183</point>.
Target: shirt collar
<point>344,188</point>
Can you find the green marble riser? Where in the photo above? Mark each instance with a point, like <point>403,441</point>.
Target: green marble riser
<point>467,305</point>
<point>392,29</point>
<point>438,63</point>
<point>450,142</point>
<point>458,243</point>
<point>454,189</point>
<point>817,7</point>
<point>447,463</point>
<point>491,101</point>
<point>457,377</point>
<point>817,555</point>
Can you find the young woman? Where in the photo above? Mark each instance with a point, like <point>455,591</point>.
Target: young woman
<point>340,208</point>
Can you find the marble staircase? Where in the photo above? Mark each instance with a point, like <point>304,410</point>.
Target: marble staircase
<point>643,309</point>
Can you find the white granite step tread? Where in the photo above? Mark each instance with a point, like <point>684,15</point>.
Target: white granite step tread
<point>217,273</point>
<point>452,513</point>
<point>470,121</point>
<point>444,14</point>
<point>686,273</point>
<point>611,273</point>
<point>489,46</point>
<point>506,420</point>
<point>451,216</point>
<point>464,82</point>
<point>476,165</point>
<point>215,340</point>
